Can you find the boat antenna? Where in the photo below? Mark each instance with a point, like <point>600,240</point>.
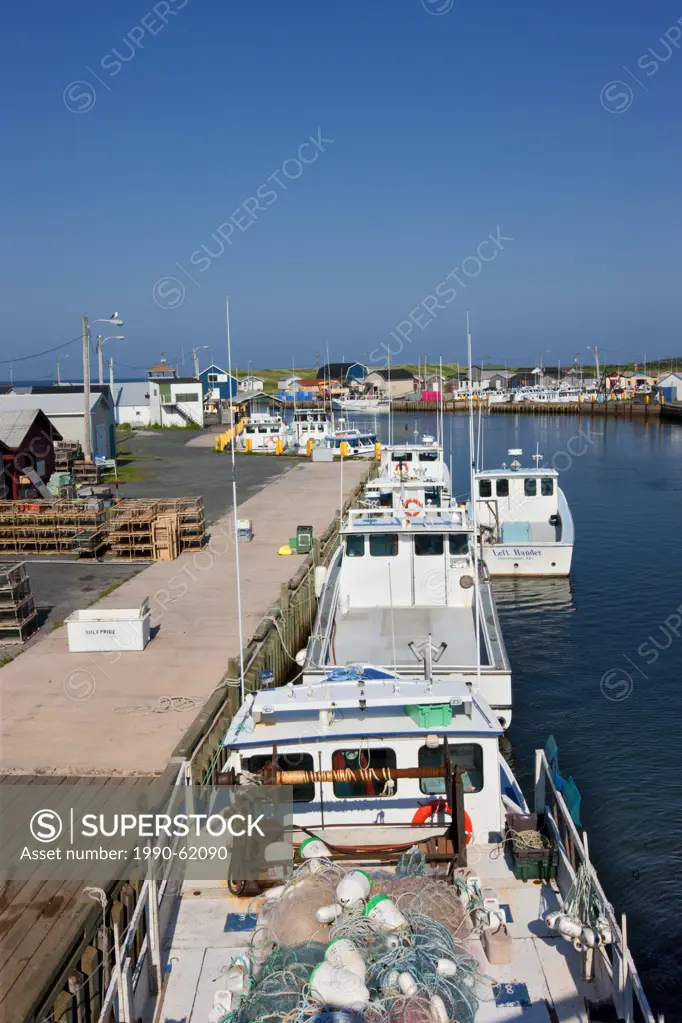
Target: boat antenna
<point>440,399</point>
<point>390,598</point>
<point>474,517</point>
<point>234,506</point>
<point>390,402</point>
<point>293,381</point>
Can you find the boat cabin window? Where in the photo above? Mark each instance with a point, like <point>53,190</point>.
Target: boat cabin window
<point>386,500</point>
<point>468,756</point>
<point>405,457</point>
<point>431,495</point>
<point>428,456</point>
<point>383,545</point>
<point>459,543</point>
<point>250,429</point>
<point>293,762</point>
<point>530,487</point>
<point>262,429</point>
<point>373,438</point>
<point>547,486</point>
<point>354,759</point>
<point>355,546</point>
<point>485,488</point>
<point>274,429</point>
<point>502,488</point>
<point>428,545</point>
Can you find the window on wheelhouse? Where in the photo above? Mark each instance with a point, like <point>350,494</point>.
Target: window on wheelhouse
<point>502,488</point>
<point>546,486</point>
<point>386,499</point>
<point>428,456</point>
<point>405,457</point>
<point>286,762</point>
<point>355,546</point>
<point>354,760</point>
<point>262,429</point>
<point>431,495</point>
<point>485,488</point>
<point>458,543</point>
<point>468,756</point>
<point>250,429</point>
<point>428,544</point>
<point>530,487</point>
<point>383,545</point>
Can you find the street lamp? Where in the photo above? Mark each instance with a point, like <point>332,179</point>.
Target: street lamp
<point>59,375</point>
<point>100,357</point>
<point>115,321</point>
<point>196,358</point>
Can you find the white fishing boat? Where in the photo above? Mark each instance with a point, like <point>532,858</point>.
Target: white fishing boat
<point>524,521</point>
<point>401,589</point>
<point>411,477</point>
<point>309,425</point>
<point>410,901</point>
<point>351,441</point>
<point>362,403</point>
<point>263,424</point>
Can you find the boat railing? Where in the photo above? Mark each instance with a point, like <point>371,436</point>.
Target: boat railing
<point>610,965</point>
<point>567,527</point>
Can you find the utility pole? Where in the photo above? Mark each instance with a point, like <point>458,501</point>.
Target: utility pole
<point>111,378</point>
<point>196,362</point>
<point>596,362</point>
<point>100,358</point>
<point>87,444</point>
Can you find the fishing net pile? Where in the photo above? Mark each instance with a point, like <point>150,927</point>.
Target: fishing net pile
<point>343,946</point>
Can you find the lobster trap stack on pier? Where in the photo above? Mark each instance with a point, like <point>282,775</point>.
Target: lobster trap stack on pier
<point>156,529</point>
<point>44,527</point>
<point>18,616</point>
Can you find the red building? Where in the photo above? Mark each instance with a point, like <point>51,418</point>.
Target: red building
<point>26,442</point>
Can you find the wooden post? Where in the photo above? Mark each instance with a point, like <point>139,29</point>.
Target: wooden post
<point>77,987</point>
<point>62,1009</point>
<point>90,966</point>
<point>103,942</point>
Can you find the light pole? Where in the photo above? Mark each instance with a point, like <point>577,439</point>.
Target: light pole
<point>87,440</point>
<point>100,357</point>
<point>59,375</point>
<point>196,358</point>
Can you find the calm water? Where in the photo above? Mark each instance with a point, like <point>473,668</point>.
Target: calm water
<point>594,662</point>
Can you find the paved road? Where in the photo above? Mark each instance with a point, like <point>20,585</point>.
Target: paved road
<point>174,468</point>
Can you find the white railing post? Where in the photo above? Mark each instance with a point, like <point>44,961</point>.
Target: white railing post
<point>154,935</point>
<point>626,987</point>
<point>540,793</point>
<point>124,1006</point>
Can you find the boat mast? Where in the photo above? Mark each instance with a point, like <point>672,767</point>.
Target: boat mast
<point>234,507</point>
<point>473,507</point>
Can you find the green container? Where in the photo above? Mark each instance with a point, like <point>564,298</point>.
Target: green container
<point>292,543</point>
<point>537,870</point>
<point>430,715</point>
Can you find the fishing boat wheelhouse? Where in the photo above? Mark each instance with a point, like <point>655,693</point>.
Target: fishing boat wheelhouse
<point>411,477</point>
<point>402,590</point>
<point>358,728</point>
<point>524,520</point>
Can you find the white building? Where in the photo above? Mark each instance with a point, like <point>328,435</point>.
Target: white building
<point>251,384</point>
<point>176,401</point>
<point>391,383</point>
<point>673,380</point>
<point>131,403</point>
<point>66,411</point>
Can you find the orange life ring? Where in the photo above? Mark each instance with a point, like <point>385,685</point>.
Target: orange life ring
<point>434,806</point>
<point>408,502</point>
<point>402,468</point>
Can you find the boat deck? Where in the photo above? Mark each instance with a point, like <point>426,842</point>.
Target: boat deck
<point>544,971</point>
<point>371,629</point>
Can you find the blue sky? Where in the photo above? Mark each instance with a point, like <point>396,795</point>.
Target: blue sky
<point>450,122</point>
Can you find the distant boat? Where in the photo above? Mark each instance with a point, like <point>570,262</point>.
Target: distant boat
<point>362,404</point>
